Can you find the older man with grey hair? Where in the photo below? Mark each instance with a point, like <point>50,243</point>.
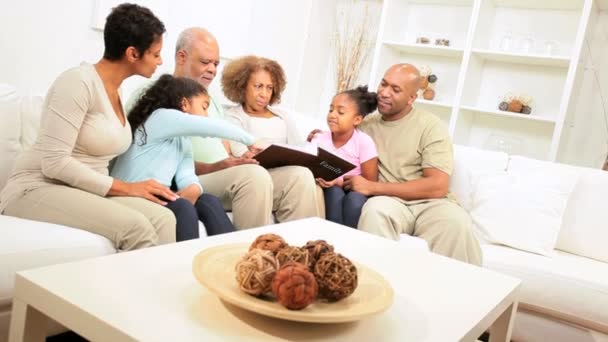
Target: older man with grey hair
<point>244,187</point>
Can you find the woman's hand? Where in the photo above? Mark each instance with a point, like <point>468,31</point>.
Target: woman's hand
<point>328,184</point>
<point>149,189</point>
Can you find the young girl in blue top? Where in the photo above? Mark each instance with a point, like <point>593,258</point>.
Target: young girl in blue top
<point>162,122</point>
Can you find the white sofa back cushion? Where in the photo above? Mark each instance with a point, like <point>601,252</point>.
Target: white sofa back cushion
<point>583,230</point>
<point>521,209</point>
<point>585,226</point>
<point>10,130</point>
<point>468,160</point>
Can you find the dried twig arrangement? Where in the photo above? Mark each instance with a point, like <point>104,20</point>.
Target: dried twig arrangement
<point>352,45</point>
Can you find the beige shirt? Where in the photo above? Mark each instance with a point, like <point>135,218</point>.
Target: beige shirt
<point>418,140</point>
<point>239,117</point>
<point>79,134</point>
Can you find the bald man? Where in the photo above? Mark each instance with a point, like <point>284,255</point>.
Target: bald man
<point>415,163</point>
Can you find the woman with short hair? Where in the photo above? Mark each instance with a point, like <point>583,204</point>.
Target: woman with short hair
<point>255,84</point>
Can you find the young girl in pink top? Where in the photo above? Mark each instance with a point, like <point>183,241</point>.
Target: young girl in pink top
<point>346,112</point>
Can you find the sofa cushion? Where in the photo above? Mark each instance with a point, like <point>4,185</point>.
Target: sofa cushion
<point>31,110</point>
<point>26,244</point>
<point>523,210</point>
<point>584,225</point>
<point>10,130</point>
<point>566,283</point>
<point>468,159</point>
<point>583,231</point>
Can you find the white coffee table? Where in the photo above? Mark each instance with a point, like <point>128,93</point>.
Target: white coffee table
<point>152,295</point>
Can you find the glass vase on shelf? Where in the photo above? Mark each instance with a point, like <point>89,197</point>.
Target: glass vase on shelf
<point>526,45</point>
<point>506,42</point>
<point>502,143</point>
<point>551,48</point>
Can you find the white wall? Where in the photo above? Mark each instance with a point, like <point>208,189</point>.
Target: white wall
<point>40,39</point>
<point>585,136</point>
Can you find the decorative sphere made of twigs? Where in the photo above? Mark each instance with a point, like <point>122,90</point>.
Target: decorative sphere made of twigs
<point>336,276</point>
<point>255,271</point>
<point>271,242</point>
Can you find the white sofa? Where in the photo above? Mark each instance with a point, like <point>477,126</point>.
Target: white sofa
<point>563,298</point>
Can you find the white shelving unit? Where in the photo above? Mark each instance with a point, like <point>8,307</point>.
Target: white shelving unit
<point>496,47</point>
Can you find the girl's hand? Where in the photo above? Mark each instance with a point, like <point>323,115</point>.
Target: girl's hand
<point>312,134</point>
<point>254,149</point>
<point>328,184</point>
<point>192,192</point>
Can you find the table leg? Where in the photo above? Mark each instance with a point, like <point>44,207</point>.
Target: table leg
<point>27,323</point>
<point>501,328</point>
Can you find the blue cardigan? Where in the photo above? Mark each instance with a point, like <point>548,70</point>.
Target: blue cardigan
<point>167,152</point>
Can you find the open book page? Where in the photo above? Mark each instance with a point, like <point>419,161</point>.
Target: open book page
<point>306,147</point>
<point>322,163</point>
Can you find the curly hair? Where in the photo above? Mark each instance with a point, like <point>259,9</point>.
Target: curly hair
<point>168,92</point>
<point>130,25</point>
<point>365,100</point>
<point>236,74</point>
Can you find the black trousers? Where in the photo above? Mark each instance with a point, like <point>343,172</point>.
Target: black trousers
<point>208,209</point>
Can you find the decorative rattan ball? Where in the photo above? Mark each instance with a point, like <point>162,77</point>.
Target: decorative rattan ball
<point>294,286</point>
<point>270,242</point>
<point>317,248</point>
<point>336,276</point>
<point>503,105</point>
<point>293,253</point>
<point>424,82</point>
<point>526,109</point>
<point>255,271</point>
<point>515,106</point>
<point>428,94</point>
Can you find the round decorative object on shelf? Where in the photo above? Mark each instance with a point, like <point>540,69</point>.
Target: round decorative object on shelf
<point>428,94</point>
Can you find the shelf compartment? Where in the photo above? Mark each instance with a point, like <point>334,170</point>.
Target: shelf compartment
<point>505,114</point>
<point>540,22</point>
<point>407,20</point>
<point>488,81</point>
<point>518,58</point>
<point>433,103</point>
<point>426,49</point>
<point>477,128</point>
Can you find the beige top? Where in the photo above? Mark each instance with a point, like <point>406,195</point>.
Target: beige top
<point>79,134</point>
<point>418,140</point>
<point>239,117</point>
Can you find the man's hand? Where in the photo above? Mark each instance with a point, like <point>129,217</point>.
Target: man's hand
<point>192,192</point>
<point>328,184</point>
<point>232,161</point>
<point>312,134</point>
<point>358,184</point>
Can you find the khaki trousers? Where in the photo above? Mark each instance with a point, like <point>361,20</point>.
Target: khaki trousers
<point>445,225</point>
<point>129,222</point>
<point>252,193</point>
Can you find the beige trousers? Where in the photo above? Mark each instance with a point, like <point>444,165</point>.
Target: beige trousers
<point>252,193</point>
<point>129,222</point>
<point>445,225</point>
